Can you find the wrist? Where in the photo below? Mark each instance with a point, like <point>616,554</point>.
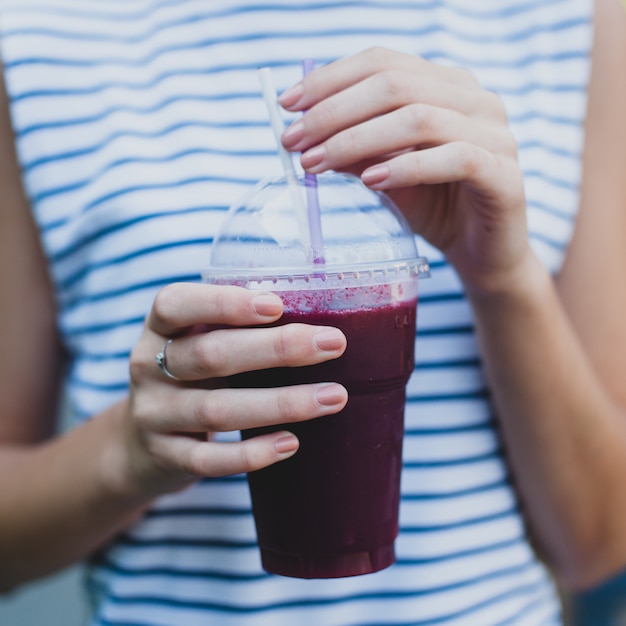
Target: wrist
<point>119,479</point>
<point>513,306</point>
<point>520,280</point>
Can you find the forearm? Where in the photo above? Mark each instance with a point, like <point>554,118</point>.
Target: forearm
<point>562,430</point>
<point>62,499</point>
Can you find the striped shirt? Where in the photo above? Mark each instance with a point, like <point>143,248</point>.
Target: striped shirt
<point>138,122</point>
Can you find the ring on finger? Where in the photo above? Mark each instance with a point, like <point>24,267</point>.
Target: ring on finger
<point>161,361</point>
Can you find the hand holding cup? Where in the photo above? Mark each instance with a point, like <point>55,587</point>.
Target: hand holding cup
<point>171,423</point>
<point>430,137</point>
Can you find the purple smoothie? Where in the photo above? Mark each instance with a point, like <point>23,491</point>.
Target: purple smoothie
<point>331,510</point>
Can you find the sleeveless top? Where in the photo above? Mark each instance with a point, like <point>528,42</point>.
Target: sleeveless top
<point>138,122</point>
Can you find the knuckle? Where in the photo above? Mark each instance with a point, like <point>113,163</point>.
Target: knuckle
<point>327,115</point>
<point>414,166</point>
<point>421,118</point>
<point>289,405</point>
<point>349,140</point>
<point>144,406</point>
<point>509,145</point>
<point>393,84</point>
<point>224,300</point>
<point>471,158</point>
<point>465,77</point>
<point>211,412</point>
<point>155,449</point>
<point>377,56</point>
<point>247,460</point>
<point>285,342</point>
<point>195,463</point>
<point>207,354</point>
<point>496,105</point>
<point>166,303</point>
<point>139,412</point>
<point>138,365</point>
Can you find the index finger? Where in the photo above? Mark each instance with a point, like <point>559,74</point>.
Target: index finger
<point>179,306</point>
<point>339,75</point>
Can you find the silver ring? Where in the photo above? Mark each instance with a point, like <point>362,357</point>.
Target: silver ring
<point>161,361</point>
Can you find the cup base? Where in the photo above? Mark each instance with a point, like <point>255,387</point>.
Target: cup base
<point>328,565</point>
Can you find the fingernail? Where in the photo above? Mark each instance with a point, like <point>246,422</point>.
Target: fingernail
<point>330,395</point>
<point>267,304</point>
<point>314,157</point>
<point>329,339</point>
<point>291,96</point>
<point>286,443</point>
<point>293,134</point>
<point>375,174</point>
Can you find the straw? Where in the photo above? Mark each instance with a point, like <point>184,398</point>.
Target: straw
<point>312,198</point>
<point>277,124</point>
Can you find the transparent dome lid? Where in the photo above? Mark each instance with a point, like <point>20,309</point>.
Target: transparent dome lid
<point>273,230</point>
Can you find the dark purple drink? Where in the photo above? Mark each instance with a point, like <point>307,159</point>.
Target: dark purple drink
<point>331,510</point>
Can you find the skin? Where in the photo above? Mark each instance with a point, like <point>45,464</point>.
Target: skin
<point>439,144</point>
<point>560,396</point>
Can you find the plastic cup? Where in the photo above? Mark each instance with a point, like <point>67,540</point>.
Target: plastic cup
<point>331,510</point>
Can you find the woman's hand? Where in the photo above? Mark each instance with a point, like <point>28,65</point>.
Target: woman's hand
<point>170,422</point>
<point>431,138</point>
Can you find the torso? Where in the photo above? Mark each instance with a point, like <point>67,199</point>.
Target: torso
<point>138,123</point>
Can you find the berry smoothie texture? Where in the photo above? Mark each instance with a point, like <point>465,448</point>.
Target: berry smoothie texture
<point>331,510</point>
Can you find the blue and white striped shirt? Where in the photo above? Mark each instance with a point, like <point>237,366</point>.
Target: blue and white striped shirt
<point>138,122</point>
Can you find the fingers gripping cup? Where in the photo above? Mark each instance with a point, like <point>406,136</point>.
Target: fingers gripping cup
<point>331,510</point>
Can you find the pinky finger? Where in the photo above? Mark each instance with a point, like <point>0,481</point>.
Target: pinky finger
<point>216,459</point>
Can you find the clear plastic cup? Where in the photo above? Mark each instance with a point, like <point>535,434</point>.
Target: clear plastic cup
<point>331,510</point>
